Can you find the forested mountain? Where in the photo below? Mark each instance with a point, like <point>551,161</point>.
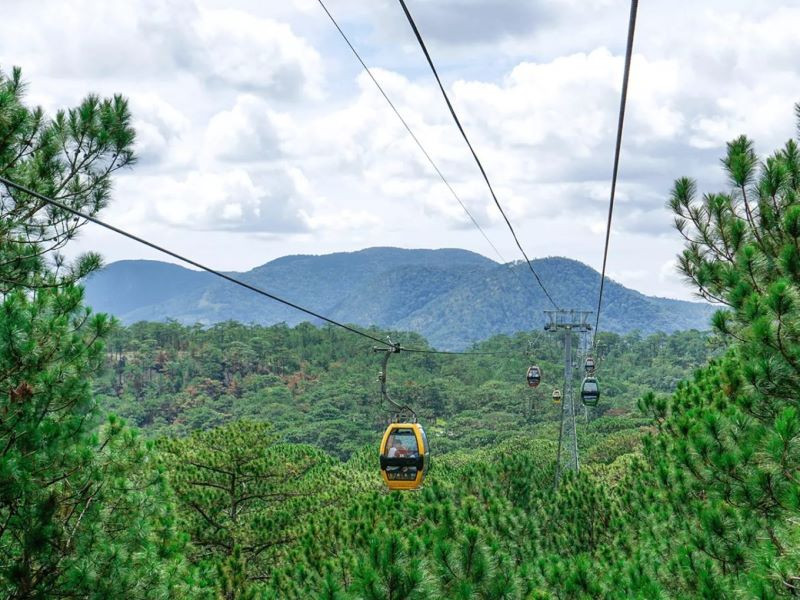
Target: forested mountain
<point>452,297</point>
<point>240,462</point>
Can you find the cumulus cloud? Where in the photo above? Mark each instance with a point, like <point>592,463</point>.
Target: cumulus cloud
<point>233,200</point>
<point>249,132</point>
<point>86,38</point>
<point>345,220</point>
<point>256,118</point>
<point>257,54</point>
<point>545,133</point>
<point>160,39</point>
<point>160,130</point>
<point>477,21</point>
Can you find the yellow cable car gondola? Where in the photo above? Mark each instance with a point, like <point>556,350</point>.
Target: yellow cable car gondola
<point>404,456</point>
<point>404,453</point>
<point>556,396</point>
<point>534,376</point>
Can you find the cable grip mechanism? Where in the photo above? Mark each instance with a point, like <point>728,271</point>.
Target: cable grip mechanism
<point>402,410</point>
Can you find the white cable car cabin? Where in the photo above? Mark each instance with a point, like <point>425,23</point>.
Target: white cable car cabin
<point>588,364</point>
<point>556,396</point>
<point>404,456</point>
<point>534,376</point>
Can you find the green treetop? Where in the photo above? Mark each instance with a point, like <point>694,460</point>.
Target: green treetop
<point>728,454</point>
<point>84,511</point>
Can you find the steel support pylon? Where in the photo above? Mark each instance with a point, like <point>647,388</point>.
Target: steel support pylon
<point>569,322</point>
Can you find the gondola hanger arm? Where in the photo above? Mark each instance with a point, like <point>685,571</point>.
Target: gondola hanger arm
<point>388,351</point>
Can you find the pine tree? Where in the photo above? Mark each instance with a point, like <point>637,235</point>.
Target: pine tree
<point>84,510</point>
<point>70,158</point>
<point>243,493</point>
<point>728,452</point>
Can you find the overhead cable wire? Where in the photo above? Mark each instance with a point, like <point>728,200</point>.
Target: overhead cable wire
<point>471,149</point>
<point>182,258</point>
<point>470,353</point>
<point>622,103</point>
<point>410,131</point>
<point>511,267</point>
<point>60,205</point>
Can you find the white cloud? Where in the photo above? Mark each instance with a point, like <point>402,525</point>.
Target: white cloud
<point>256,54</point>
<point>232,200</point>
<point>249,132</point>
<point>345,220</point>
<point>87,38</point>
<point>160,131</point>
<point>258,120</point>
<point>159,39</point>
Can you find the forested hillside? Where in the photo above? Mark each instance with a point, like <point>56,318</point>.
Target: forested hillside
<point>319,386</point>
<point>245,465</point>
<point>451,297</point>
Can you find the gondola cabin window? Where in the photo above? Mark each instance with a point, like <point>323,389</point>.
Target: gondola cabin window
<point>404,456</point>
<point>534,376</point>
<point>401,444</point>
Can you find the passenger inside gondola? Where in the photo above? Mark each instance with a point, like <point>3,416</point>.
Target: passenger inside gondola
<point>396,448</point>
<point>402,444</point>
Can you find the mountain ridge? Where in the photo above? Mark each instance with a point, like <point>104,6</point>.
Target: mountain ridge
<point>451,296</point>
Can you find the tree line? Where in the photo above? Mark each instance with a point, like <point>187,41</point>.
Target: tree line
<point>319,385</point>
<point>245,466</point>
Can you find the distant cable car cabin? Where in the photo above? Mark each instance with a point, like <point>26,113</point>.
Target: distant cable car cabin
<point>404,456</point>
<point>534,376</point>
<point>590,391</point>
<point>589,365</point>
<point>556,396</point>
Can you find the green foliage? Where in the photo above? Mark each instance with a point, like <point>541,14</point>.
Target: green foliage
<point>709,508</point>
<point>84,508</point>
<point>70,158</point>
<point>317,386</point>
<point>60,476</point>
<point>699,500</point>
<point>725,460</point>
<point>243,496</point>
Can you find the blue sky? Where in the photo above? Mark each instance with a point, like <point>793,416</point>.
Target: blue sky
<point>260,136</point>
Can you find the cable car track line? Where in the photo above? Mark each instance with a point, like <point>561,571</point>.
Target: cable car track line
<point>409,130</point>
<point>622,102</point>
<point>182,258</point>
<point>419,143</point>
<point>471,149</point>
<point>422,351</point>
<point>21,188</point>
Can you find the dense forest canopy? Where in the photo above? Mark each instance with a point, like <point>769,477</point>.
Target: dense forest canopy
<point>319,386</point>
<point>245,462</point>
